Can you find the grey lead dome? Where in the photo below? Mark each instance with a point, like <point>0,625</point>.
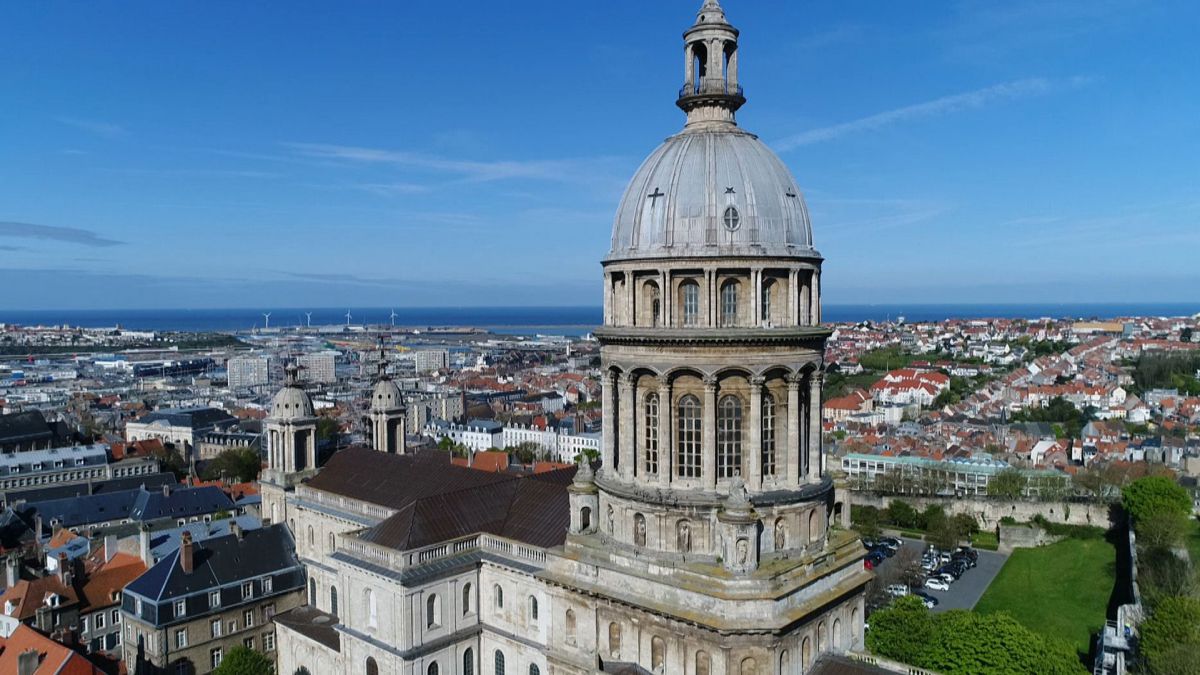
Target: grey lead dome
<point>678,202</point>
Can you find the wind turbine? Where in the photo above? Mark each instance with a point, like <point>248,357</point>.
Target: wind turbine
<point>267,325</point>
<point>393,317</point>
<point>348,318</point>
<point>308,316</point>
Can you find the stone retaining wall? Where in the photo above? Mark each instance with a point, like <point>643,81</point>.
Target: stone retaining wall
<point>989,511</point>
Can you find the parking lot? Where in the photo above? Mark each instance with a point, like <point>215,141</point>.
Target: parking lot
<point>965,592</point>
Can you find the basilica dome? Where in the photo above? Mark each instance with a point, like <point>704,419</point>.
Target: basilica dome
<point>292,402</point>
<point>386,395</point>
<point>712,191</point>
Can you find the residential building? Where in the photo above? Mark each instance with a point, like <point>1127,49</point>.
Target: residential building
<point>248,371</point>
<point>961,477</point>
<point>24,651</point>
<point>180,427</point>
<point>318,367</point>
<point>429,360</point>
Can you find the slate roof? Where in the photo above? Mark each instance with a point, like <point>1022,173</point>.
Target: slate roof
<point>138,505</point>
<point>313,624</point>
<point>25,426</point>
<point>218,562</point>
<point>194,418</point>
<point>153,481</point>
<point>165,542</point>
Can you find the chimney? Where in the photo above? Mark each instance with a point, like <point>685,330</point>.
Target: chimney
<point>185,552</point>
<point>235,528</point>
<point>64,570</point>
<point>37,528</point>
<point>28,662</point>
<point>144,546</point>
<point>55,526</point>
<point>110,547</point>
<point>166,489</point>
<point>12,570</point>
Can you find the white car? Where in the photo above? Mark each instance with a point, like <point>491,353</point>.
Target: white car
<point>897,590</point>
<point>936,584</point>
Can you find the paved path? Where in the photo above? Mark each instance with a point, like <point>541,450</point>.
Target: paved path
<point>965,592</point>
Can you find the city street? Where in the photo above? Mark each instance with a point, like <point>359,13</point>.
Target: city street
<point>965,592</point>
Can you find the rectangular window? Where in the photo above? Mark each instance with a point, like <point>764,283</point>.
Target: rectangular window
<point>83,625</point>
<point>689,437</point>
<point>116,616</point>
<point>729,304</point>
<point>248,618</point>
<point>248,643</point>
<point>231,625</point>
<point>180,608</point>
<point>768,435</point>
<point>651,431</point>
<point>691,304</point>
<point>216,628</point>
<point>268,640</point>
<point>99,620</point>
<point>247,590</point>
<point>215,657</point>
<point>266,585</point>
<point>181,640</point>
<point>268,612</point>
<point>214,599</point>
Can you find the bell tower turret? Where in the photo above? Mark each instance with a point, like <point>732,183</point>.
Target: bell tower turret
<point>711,91</point>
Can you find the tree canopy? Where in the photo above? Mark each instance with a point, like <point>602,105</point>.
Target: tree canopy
<point>1170,638</point>
<point>1009,483</point>
<point>1152,495</point>
<point>244,661</point>
<point>239,464</point>
<point>965,642</point>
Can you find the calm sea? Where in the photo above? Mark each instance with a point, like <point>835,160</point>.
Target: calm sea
<point>539,320</point>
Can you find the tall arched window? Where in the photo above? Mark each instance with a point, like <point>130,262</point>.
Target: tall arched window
<point>639,529</point>
<point>499,662</point>
<point>585,518</point>
<point>499,593</point>
<point>312,592</point>
<point>651,431</point>
<point>333,608</point>
<point>822,638</point>
<point>658,653</point>
<point>729,303</point>
<point>768,288</point>
<point>691,303</point>
<point>785,662</point>
<point>468,661</point>
<point>533,608</point>
<point>569,626</point>
<point>311,539</point>
<point>372,667</point>
<point>814,527</point>
<point>332,542</point>
<point>370,606</point>
<point>703,663</point>
<point>689,437</point>
<point>614,639</point>
<point>854,624</point>
<point>533,669</point>
<point>466,599</point>
<point>805,654</point>
<point>837,634</point>
<point>433,611</point>
<point>432,669</point>
<point>729,437</point>
<point>651,307</point>
<point>749,666</point>
<point>768,435</point>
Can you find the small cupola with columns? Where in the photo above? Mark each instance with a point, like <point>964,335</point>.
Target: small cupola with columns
<point>711,91</point>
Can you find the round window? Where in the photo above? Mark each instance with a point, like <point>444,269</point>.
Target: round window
<point>732,218</point>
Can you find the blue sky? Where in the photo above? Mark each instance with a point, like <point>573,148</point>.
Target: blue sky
<point>228,154</point>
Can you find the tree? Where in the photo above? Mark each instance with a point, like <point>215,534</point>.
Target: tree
<point>1170,637</point>
<point>966,642</point>
<point>865,520</point>
<point>902,631</point>
<point>1009,484</point>
<point>902,514</point>
<point>933,516</point>
<point>588,454</point>
<point>943,534</point>
<point>327,428</point>
<point>966,524</point>
<point>244,661</point>
<point>1147,496</point>
<point>1163,530</point>
<point>240,464</point>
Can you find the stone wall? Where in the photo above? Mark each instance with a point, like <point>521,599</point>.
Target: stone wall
<point>989,511</point>
<point>1022,536</point>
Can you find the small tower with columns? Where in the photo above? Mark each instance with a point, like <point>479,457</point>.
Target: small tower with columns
<point>291,437</point>
<point>387,418</point>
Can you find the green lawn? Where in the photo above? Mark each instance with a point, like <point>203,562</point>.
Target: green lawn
<point>1060,590</point>
<point>986,540</point>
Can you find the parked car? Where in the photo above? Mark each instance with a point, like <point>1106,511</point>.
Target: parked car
<point>891,542</point>
<point>929,600</point>
<point>868,542</point>
<point>936,584</point>
<point>897,590</point>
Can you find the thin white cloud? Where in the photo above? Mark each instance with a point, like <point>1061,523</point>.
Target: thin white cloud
<point>105,129</point>
<point>72,235</point>
<point>977,98</point>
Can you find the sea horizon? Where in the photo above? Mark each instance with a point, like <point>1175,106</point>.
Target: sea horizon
<point>546,319</point>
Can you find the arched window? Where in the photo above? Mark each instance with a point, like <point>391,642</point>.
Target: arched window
<point>822,638</point>
<point>311,540</point>
<point>372,609</point>
<point>837,634</point>
<point>703,663</point>
<point>466,599</point>
<point>533,669</point>
<point>639,529</point>
<point>468,662</point>
<point>651,307</point>
<point>614,639</point>
<point>333,608</point>
<point>749,666</point>
<point>805,654</point>
<point>658,653</point>
<point>729,303</point>
<point>432,669</point>
<point>651,432</point>
<point>689,438</point>
<point>312,592</point>
<point>332,542</point>
<point>768,435</point>
<point>569,626</point>
<point>683,536</point>
<point>855,623</point>
<point>499,594</point>
<point>533,608</point>
<point>729,437</point>
<point>302,671</point>
<point>768,288</point>
<point>499,662</point>
<point>691,303</point>
<point>814,527</point>
<point>585,518</point>
<point>785,662</point>
<point>372,667</point>
<point>433,611</point>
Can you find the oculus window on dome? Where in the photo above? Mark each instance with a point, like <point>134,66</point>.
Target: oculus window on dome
<point>732,218</point>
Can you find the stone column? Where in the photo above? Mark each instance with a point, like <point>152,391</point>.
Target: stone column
<point>816,457</point>
<point>666,419</point>
<point>815,298</point>
<point>791,452</point>
<point>666,296</point>
<point>708,456</point>
<point>793,300</point>
<point>756,300</point>
<point>608,316</point>
<point>627,439</point>
<point>608,429</point>
<point>710,311</point>
<point>752,451</point>
<point>688,70</point>
<point>630,294</point>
